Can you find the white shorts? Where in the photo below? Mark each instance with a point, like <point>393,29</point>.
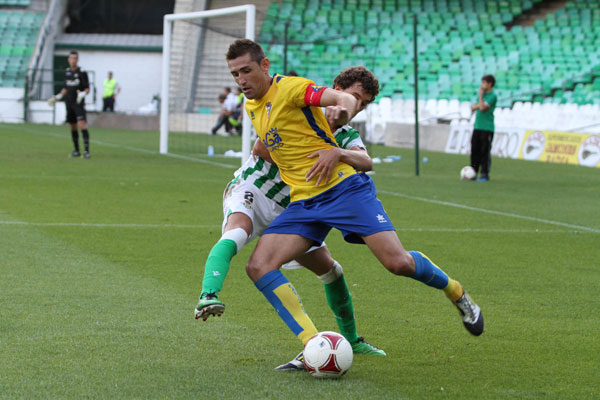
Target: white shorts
<point>246,198</point>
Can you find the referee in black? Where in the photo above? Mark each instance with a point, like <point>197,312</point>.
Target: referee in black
<point>76,88</point>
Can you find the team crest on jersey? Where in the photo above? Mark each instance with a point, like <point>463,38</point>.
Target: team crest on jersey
<point>272,140</point>
<point>269,105</point>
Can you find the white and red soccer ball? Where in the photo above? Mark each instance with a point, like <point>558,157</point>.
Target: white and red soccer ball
<point>328,355</point>
<point>468,173</point>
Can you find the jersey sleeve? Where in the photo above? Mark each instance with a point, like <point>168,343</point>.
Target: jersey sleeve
<point>347,138</point>
<point>302,92</point>
<point>493,101</point>
<point>85,83</point>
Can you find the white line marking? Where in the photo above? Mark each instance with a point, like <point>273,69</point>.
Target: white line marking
<point>445,203</point>
<point>180,226</point>
<point>137,149</point>
<point>483,210</point>
<point>86,224</point>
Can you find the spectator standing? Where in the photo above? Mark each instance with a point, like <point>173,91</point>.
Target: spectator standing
<point>483,131</point>
<point>236,118</point>
<point>111,90</point>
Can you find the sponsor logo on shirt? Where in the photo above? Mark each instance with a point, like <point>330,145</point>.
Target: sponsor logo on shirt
<point>272,140</point>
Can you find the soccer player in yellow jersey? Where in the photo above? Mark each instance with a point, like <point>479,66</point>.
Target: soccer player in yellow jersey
<point>287,116</point>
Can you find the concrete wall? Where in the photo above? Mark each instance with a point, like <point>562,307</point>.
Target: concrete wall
<point>11,105</point>
<point>123,121</point>
<point>138,74</point>
<point>431,137</point>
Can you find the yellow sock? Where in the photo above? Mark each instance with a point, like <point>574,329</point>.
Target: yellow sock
<point>454,290</point>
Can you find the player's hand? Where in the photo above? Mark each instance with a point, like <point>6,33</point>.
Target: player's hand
<point>337,116</point>
<point>52,101</point>
<point>80,96</point>
<point>324,166</point>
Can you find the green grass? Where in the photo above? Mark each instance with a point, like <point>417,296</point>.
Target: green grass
<point>101,263</point>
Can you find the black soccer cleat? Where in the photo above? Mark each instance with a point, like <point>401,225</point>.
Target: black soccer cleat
<point>471,314</point>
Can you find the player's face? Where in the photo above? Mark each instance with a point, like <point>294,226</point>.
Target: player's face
<point>253,78</point>
<point>73,58</point>
<point>359,93</point>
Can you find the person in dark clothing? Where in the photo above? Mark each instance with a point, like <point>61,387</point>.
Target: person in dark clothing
<point>76,88</point>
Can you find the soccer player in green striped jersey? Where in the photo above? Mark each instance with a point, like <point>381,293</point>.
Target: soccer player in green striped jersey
<point>257,195</point>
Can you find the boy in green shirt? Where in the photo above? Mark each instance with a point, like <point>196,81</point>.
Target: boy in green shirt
<point>483,132</point>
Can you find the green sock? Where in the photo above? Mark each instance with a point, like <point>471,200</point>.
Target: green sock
<point>340,302</point>
<point>217,265</point>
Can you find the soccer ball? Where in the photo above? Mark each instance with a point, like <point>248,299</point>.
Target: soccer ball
<point>468,173</point>
<point>327,355</point>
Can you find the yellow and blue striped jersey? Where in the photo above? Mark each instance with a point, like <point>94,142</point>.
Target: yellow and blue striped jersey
<point>292,129</point>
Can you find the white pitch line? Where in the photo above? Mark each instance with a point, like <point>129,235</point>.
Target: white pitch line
<point>179,226</point>
<point>483,210</point>
<point>86,224</point>
<point>445,203</point>
<point>138,149</point>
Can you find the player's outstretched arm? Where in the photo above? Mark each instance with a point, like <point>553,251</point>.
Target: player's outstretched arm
<point>358,158</point>
<point>328,159</point>
<point>342,107</point>
<point>261,150</point>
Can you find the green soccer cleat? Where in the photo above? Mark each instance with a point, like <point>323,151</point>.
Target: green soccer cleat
<point>208,305</point>
<point>363,347</point>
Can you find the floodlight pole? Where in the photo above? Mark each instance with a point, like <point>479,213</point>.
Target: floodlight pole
<point>416,95</point>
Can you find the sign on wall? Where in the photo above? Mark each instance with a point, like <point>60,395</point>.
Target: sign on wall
<point>506,144</point>
<point>561,147</point>
<point>549,146</point>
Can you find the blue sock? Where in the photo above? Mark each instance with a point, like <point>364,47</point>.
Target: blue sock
<point>427,272</point>
<point>283,297</point>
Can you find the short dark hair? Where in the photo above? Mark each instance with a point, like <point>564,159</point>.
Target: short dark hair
<point>350,76</point>
<point>244,46</point>
<point>489,79</point>
<point>74,52</point>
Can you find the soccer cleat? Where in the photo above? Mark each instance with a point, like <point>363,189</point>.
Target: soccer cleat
<point>208,305</point>
<point>471,314</point>
<point>297,364</point>
<point>363,347</point>
<point>483,179</point>
<point>86,154</point>
<point>75,153</point>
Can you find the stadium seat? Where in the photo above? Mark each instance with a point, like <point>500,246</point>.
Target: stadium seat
<point>459,41</point>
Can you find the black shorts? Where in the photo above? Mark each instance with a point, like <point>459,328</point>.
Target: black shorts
<point>75,112</point>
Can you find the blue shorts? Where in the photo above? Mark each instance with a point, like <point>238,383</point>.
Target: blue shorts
<point>351,206</point>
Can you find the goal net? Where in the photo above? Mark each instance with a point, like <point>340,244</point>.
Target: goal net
<point>194,74</point>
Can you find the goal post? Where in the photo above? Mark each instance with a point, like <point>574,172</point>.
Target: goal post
<point>168,24</point>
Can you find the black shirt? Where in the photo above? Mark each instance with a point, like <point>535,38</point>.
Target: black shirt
<point>75,80</point>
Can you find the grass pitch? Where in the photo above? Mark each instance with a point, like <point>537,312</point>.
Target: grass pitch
<point>101,264</point>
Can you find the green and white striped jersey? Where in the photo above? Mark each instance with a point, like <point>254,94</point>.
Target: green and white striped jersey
<point>265,175</point>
